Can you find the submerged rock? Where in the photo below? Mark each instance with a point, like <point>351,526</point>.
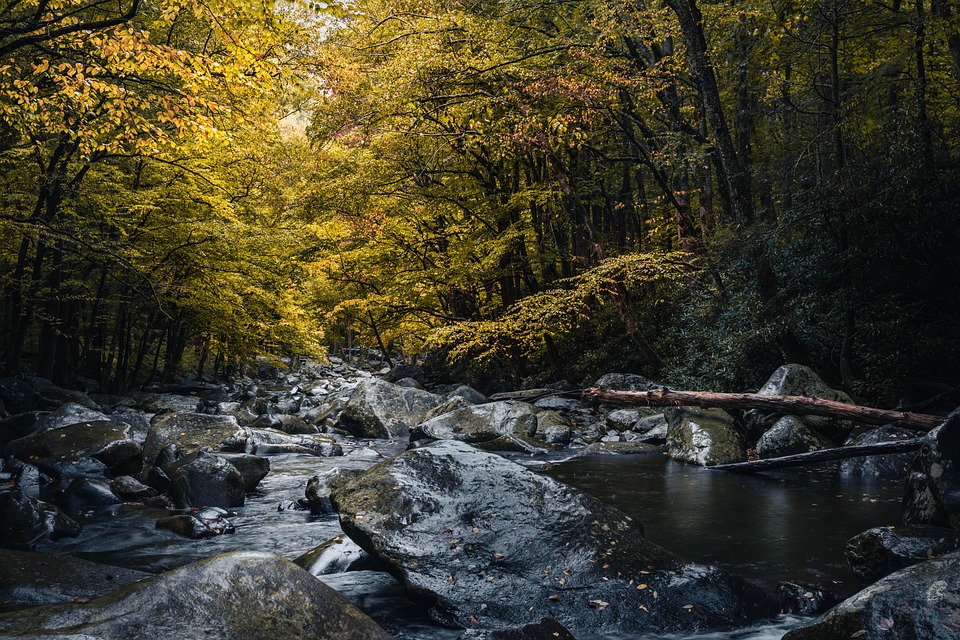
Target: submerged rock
<point>234,596</point>
<point>703,436</point>
<point>204,523</point>
<point>921,602</point>
<point>486,542</point>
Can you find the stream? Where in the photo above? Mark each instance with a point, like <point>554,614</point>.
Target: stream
<point>788,525</point>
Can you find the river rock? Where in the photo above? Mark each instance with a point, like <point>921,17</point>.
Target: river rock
<point>379,409</point>
<point>553,428</point>
<point>191,432</point>
<point>29,579</point>
<point>625,382</point>
<point>878,552</point>
<point>546,629</point>
<point>703,436</point>
<point>25,520</point>
<point>208,481</point>
<point>18,426</point>
<point>205,523</point>
<point>798,380</point>
<point>66,470</point>
<point>625,419</point>
<point>271,441</point>
<point>221,598</point>
<point>932,495</point>
<point>109,442</point>
<point>403,370</point>
<point>252,468</point>
<point>130,489</point>
<point>485,542</point>
<point>789,435</point>
<point>83,494</point>
<point>801,599</point>
<point>171,403</point>
<point>336,555</point>
<point>21,393</point>
<point>67,414</point>
<point>921,602</point>
<point>479,423</point>
<point>894,465</point>
<point>469,394</point>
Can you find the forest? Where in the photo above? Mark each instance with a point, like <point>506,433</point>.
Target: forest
<point>521,191</point>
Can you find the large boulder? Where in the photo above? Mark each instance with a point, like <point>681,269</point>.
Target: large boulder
<point>625,382</point>
<point>87,494</point>
<point>878,552</point>
<point>29,579</point>
<point>234,596</point>
<point>111,443</point>
<point>487,543</point>
<point>932,495</point>
<point>67,414</point>
<point>921,602</point>
<point>703,436</point>
<point>171,403</point>
<point>252,468</point>
<point>25,520</point>
<point>798,380</point>
<point>788,436</point>
<point>892,465</point>
<point>191,432</point>
<point>481,422</point>
<point>208,481</point>
<point>379,409</point>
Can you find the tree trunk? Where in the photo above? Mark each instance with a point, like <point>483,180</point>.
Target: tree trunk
<point>825,455</point>
<point>796,405</point>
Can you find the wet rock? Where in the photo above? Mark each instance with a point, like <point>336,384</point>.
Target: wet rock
<point>270,441</point>
<point>625,382</point>
<point>789,435</point>
<point>29,579</point>
<point>622,448</point>
<point>317,494</point>
<point>205,523</point>
<point>804,599</point>
<point>878,552</point>
<point>109,442</point>
<point>25,520</point>
<point>67,414</point>
<point>191,432</point>
<point>336,555</point>
<point>657,421</point>
<point>171,403</point>
<point>553,428</point>
<point>21,393</point>
<point>895,465</point>
<point>129,489</point>
<point>919,602</point>
<point>83,494</point>
<point>66,470</point>
<point>486,542</point>
<point>798,380</point>
<point>379,409</point>
<point>932,495</point>
<point>208,481</point>
<point>252,468</point>
<point>17,426</point>
<point>410,383</point>
<point>221,598</point>
<point>546,629</point>
<point>703,436</point>
<point>295,425</point>
<point>625,419</point>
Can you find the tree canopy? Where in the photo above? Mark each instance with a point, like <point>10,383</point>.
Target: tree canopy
<point>528,191</point>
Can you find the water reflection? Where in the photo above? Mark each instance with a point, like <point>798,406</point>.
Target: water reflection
<point>788,525</point>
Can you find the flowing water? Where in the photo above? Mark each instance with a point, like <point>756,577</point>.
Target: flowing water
<point>790,525</point>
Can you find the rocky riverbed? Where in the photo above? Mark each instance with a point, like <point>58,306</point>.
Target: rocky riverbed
<point>418,481</point>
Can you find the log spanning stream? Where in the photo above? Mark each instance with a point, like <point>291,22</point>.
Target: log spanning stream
<point>785,525</point>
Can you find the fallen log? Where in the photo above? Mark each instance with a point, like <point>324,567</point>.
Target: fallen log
<point>795,405</point>
<point>824,455</point>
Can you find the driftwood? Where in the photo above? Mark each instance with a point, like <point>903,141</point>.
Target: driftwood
<point>796,405</point>
<point>825,455</point>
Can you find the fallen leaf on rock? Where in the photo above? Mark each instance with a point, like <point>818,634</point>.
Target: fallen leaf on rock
<point>859,634</point>
<point>641,587</point>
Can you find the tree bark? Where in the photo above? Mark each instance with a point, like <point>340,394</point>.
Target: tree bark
<point>797,405</point>
<point>825,455</point>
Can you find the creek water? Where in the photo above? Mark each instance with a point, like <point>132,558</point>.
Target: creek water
<point>790,525</point>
